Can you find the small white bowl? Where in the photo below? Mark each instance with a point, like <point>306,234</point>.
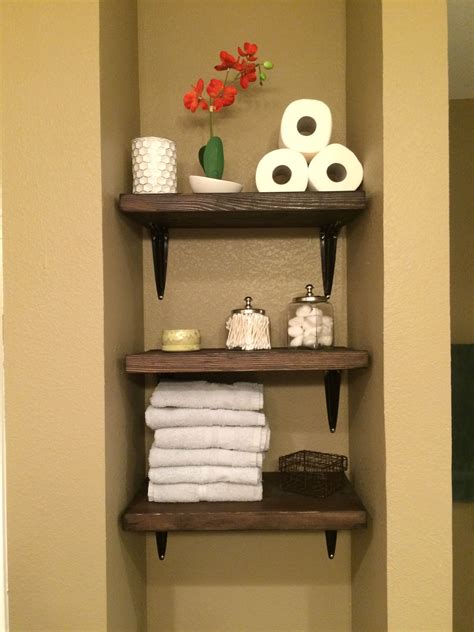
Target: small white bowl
<point>202,184</point>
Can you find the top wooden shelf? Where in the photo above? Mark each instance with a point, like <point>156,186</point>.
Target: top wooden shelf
<point>226,210</point>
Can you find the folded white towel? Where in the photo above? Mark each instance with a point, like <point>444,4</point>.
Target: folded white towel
<point>213,492</point>
<point>174,417</point>
<point>203,474</point>
<point>211,456</point>
<point>248,439</point>
<point>201,394</point>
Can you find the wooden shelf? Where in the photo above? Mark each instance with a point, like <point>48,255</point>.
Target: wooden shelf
<point>327,210</point>
<point>224,210</point>
<point>279,510</point>
<point>230,361</point>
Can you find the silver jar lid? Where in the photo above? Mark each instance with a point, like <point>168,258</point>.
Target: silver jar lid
<point>248,309</point>
<point>309,298</point>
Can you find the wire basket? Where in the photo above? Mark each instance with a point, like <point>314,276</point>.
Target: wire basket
<point>312,473</point>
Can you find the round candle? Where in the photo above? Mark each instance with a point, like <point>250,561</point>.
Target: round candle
<point>180,340</point>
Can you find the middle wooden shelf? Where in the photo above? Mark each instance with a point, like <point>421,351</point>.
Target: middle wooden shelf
<point>331,361</point>
<point>225,360</point>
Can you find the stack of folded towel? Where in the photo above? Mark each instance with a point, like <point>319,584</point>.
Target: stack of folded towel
<point>209,442</point>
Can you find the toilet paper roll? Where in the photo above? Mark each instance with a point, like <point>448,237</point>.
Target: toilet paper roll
<point>282,170</point>
<point>335,168</point>
<point>306,126</point>
<point>154,165</point>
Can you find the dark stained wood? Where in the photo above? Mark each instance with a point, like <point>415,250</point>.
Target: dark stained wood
<point>221,210</point>
<point>279,510</point>
<point>224,360</point>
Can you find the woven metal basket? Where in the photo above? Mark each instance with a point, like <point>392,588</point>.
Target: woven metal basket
<point>317,474</point>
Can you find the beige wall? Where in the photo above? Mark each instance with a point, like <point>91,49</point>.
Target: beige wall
<point>54,302</point>
<point>123,315</point>
<point>365,277</point>
<point>411,562</point>
<point>206,579</point>
<point>461,138</point>
<point>461,118</point>
<point>417,390</point>
<point>73,307</point>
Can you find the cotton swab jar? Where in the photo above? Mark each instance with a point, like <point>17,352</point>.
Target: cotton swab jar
<point>249,328</point>
<point>310,321</point>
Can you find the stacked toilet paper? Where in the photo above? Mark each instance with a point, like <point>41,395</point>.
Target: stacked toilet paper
<point>306,159</point>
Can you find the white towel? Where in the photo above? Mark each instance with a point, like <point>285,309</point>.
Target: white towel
<point>200,394</point>
<point>212,456</point>
<point>174,417</point>
<point>248,439</point>
<point>203,474</point>
<point>213,492</point>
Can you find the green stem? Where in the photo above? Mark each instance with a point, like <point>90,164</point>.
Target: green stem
<point>210,124</point>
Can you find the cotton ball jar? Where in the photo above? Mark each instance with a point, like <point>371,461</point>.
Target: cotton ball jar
<point>310,321</point>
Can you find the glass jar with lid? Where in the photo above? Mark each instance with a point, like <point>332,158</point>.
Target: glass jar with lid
<point>248,327</point>
<point>310,321</point>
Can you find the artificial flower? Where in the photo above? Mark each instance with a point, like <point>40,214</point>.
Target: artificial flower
<point>248,74</point>
<point>227,98</point>
<point>248,51</point>
<point>221,94</point>
<point>193,99</point>
<point>228,62</point>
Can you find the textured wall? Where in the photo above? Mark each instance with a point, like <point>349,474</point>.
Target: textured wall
<point>73,308</point>
<point>123,315</point>
<point>365,278</point>
<point>54,338</point>
<point>230,582</point>
<point>461,224</point>
<point>417,390</point>
<point>398,266</point>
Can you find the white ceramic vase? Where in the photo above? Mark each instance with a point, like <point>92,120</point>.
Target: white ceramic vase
<point>203,184</point>
<point>154,165</point>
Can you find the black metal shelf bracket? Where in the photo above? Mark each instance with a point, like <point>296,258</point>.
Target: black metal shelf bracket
<point>331,539</point>
<point>159,244</point>
<point>332,387</point>
<point>161,539</point>
<point>328,242</point>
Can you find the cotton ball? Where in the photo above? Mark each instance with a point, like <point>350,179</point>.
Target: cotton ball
<point>327,321</point>
<point>304,310</point>
<point>294,332</point>
<point>297,320</point>
<point>325,341</point>
<point>308,327</point>
<point>297,342</point>
<point>309,341</point>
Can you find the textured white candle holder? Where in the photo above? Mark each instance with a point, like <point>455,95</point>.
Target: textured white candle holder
<point>154,165</point>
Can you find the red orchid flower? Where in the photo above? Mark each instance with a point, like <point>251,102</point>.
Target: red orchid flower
<point>248,51</point>
<point>228,61</point>
<point>221,94</point>
<point>248,74</point>
<point>193,99</point>
<point>227,98</point>
<point>214,88</point>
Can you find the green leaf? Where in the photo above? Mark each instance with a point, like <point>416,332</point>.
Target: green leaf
<point>213,159</point>
<point>201,156</point>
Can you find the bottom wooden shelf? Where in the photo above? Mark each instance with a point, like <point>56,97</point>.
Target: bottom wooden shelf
<point>279,510</point>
